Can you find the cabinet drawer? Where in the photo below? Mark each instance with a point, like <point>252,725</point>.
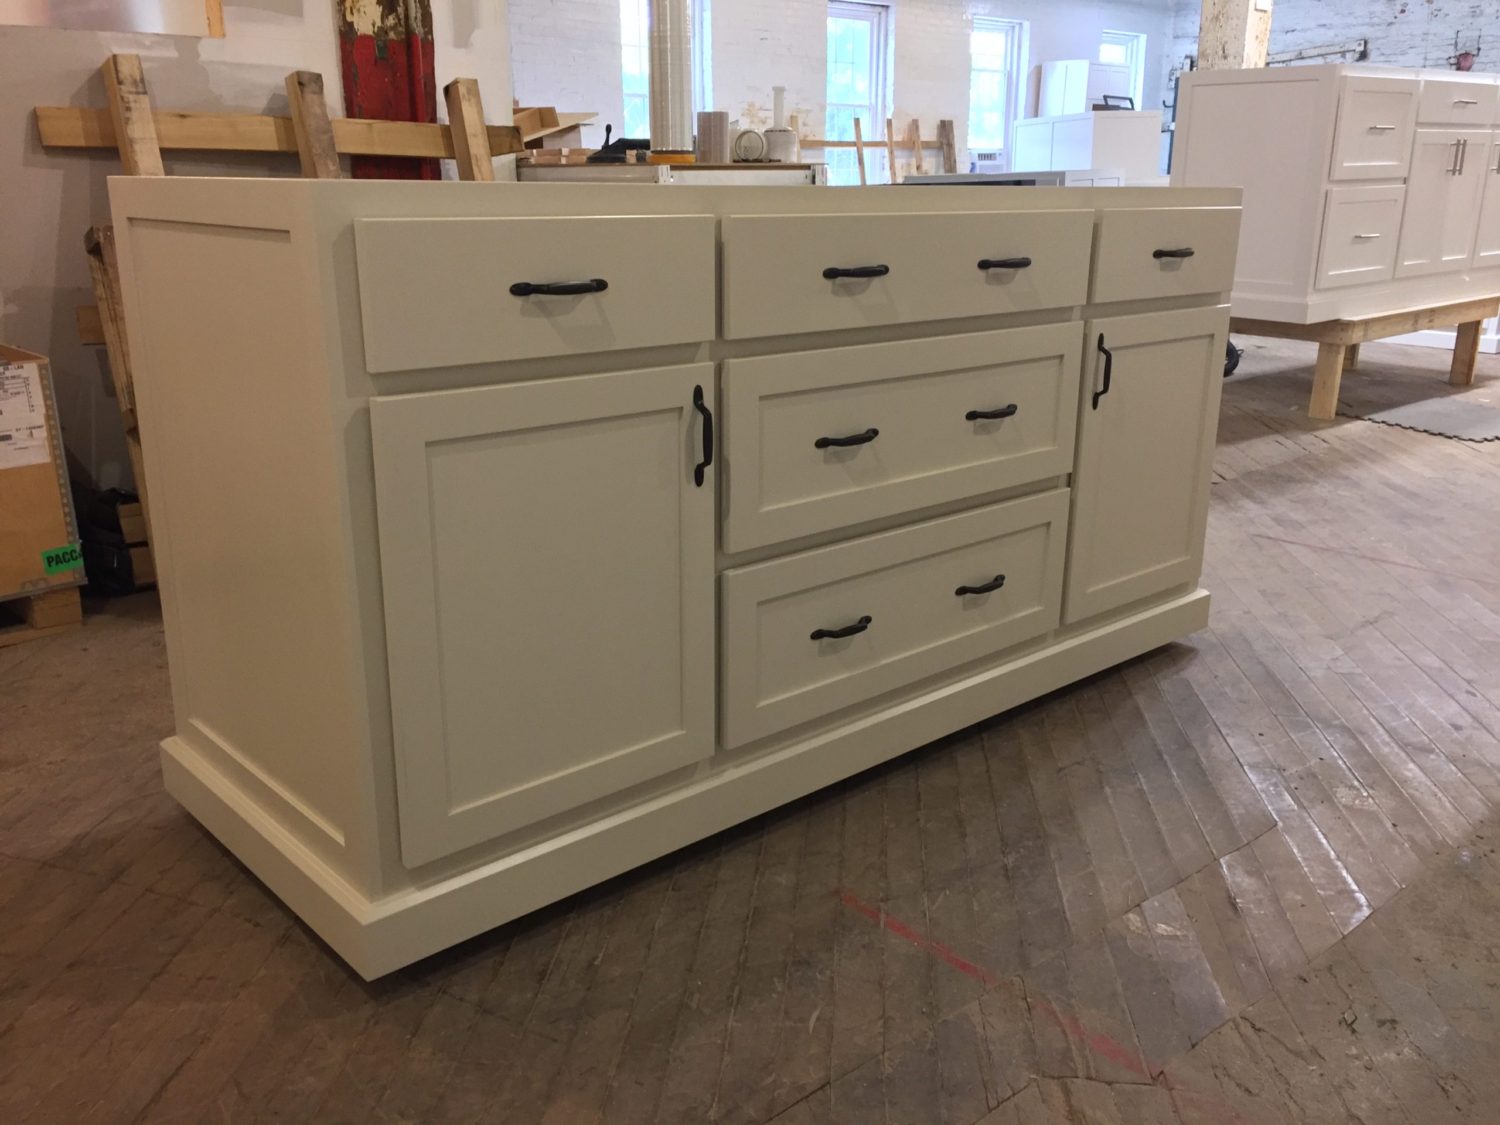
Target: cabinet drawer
<point>1458,103</point>
<point>913,401</point>
<point>1361,226</point>
<point>1372,140</point>
<point>806,635</point>
<point>438,292</point>
<point>1143,252</point>
<point>927,267</point>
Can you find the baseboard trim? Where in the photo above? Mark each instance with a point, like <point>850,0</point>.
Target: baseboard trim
<point>378,937</point>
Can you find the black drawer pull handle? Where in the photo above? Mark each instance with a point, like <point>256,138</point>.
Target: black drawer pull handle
<point>1181,252</point>
<point>990,415</point>
<point>847,631</point>
<point>708,436</point>
<point>558,288</point>
<point>1109,370</point>
<point>1004,263</point>
<point>833,273</point>
<point>844,442</point>
<point>987,588</point>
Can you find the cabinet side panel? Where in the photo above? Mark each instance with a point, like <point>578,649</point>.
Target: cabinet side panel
<point>1270,139</point>
<point>234,419</point>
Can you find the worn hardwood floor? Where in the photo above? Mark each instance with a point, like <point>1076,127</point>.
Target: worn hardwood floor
<point>1251,877</point>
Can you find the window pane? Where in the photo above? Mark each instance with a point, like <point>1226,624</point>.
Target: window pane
<point>1113,54</point>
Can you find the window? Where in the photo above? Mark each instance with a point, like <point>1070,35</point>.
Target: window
<point>857,46</point>
<point>997,59</point>
<point>1122,67</point>
<point>635,63</point>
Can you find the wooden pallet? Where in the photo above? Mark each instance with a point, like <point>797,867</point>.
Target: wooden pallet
<point>39,615</point>
<point>1339,340</point>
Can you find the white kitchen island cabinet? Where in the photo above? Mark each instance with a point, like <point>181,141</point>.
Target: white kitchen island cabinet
<point>513,535</point>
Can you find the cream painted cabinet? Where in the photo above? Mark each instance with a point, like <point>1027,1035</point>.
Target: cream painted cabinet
<point>625,522</point>
<point>1145,443</point>
<point>1443,197</point>
<point>529,534</point>
<point>1487,238</point>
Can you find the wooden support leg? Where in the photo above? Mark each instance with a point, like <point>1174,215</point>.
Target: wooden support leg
<point>1465,353</point>
<point>1351,357</point>
<point>1325,392</point>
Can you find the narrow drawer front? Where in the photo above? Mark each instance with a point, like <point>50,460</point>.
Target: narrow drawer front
<point>1165,252</point>
<point>809,634</point>
<point>440,292</point>
<point>908,268</point>
<point>829,439</point>
<point>1458,103</point>
<point>1361,229</point>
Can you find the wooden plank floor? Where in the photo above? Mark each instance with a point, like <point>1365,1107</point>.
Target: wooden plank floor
<point>1251,877</point>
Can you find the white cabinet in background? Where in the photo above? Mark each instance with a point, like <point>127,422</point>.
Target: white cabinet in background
<point>1127,140</point>
<point>461,621</point>
<point>1367,189</point>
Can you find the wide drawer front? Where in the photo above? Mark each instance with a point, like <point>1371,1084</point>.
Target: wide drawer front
<point>1458,103</point>
<point>816,273</point>
<point>809,634</point>
<point>1165,252</point>
<point>822,440</point>
<point>440,292</point>
<point>1360,228</point>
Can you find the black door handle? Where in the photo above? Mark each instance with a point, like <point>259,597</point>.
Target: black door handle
<point>844,442</point>
<point>1181,252</point>
<point>991,415</point>
<point>558,288</point>
<point>986,588</point>
<point>1109,370</point>
<point>708,436</point>
<point>833,273</point>
<point>847,631</point>
<point>1004,263</point>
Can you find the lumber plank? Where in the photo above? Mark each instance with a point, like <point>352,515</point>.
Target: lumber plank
<point>890,150</point>
<point>1326,377</point>
<point>948,145</point>
<point>130,113</point>
<point>311,127</point>
<point>471,144</point>
<point>1465,353</point>
<point>859,150</point>
<point>90,325</point>
<point>84,127</point>
<point>918,164</point>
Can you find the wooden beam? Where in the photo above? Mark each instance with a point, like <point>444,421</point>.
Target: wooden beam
<point>471,144</point>
<point>1324,403</point>
<point>859,150</point>
<point>949,145</point>
<point>214,11</point>
<point>1465,353</point>
<point>890,150</point>
<point>919,166</point>
<point>81,127</point>
<point>311,127</point>
<point>130,114</point>
<point>90,325</point>
<point>1234,34</point>
<point>1372,328</point>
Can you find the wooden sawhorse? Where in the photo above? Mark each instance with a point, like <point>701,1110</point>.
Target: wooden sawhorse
<point>1339,340</point>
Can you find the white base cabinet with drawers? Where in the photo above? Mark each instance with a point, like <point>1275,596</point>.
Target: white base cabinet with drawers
<point>513,535</point>
<point>1368,190</point>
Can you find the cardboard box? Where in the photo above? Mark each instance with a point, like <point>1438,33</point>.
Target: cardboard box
<point>39,548</point>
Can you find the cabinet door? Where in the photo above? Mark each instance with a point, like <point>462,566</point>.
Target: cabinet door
<point>1487,240</point>
<point>1442,201</point>
<point>1147,419</point>
<point>547,563</point>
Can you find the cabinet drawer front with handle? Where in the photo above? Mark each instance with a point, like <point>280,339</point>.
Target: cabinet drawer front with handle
<point>1458,103</point>
<point>811,633</point>
<point>828,439</point>
<point>1361,226</point>
<point>1372,140</point>
<point>786,274</point>
<point>521,288</point>
<point>1165,252</point>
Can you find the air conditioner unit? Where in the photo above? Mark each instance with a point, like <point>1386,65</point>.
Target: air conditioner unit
<point>987,161</point>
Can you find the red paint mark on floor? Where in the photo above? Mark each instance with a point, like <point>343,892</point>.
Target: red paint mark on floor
<point>1101,1044</point>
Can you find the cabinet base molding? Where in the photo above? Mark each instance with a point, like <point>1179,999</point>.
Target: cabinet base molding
<point>378,936</point>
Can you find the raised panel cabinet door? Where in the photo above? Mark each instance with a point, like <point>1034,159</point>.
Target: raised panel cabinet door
<point>547,564</point>
<point>1148,413</point>
<point>1487,237</point>
<point>1372,140</point>
<point>1443,195</point>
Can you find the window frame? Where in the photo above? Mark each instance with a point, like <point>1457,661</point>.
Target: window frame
<point>843,163</point>
<point>1018,33</point>
<point>699,15</point>
<point>1134,43</point>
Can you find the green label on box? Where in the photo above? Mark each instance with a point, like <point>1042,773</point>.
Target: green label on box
<point>59,559</point>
